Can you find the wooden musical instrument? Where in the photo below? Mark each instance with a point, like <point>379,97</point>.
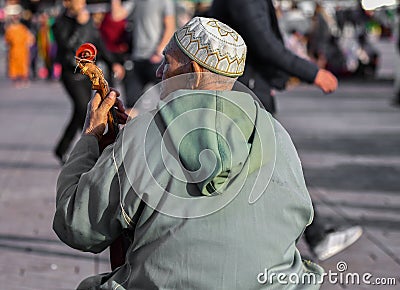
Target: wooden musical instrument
<point>85,58</point>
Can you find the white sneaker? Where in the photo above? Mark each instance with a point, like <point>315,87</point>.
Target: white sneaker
<point>337,241</point>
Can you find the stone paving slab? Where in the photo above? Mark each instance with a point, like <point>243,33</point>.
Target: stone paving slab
<point>42,271</point>
<point>371,254</point>
<point>382,212</point>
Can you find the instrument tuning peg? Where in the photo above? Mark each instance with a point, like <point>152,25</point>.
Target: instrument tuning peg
<point>86,51</point>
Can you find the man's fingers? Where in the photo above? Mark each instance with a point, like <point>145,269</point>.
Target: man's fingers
<point>119,105</point>
<point>333,83</point>
<point>108,102</point>
<point>95,102</point>
<point>326,81</point>
<point>121,117</point>
<point>116,91</point>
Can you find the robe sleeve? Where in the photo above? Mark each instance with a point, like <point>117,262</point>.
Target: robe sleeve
<point>88,213</point>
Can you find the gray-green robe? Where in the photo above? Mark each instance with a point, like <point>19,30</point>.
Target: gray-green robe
<point>229,209</point>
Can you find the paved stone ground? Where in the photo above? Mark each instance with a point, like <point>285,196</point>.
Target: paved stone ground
<point>349,143</point>
<point>31,256</point>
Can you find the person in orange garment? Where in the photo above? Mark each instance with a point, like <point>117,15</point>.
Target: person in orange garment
<point>19,40</point>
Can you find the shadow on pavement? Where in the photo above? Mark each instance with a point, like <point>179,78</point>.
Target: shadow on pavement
<point>377,144</point>
<point>28,165</point>
<point>358,178</point>
<point>24,244</point>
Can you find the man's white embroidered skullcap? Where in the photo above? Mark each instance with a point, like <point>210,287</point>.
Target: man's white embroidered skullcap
<point>213,45</point>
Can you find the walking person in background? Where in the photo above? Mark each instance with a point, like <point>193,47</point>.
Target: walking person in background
<point>268,67</point>
<point>116,30</point>
<point>45,43</point>
<point>320,36</point>
<point>269,63</point>
<point>19,39</point>
<point>71,29</point>
<point>154,24</point>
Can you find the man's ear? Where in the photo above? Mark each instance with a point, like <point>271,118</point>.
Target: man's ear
<point>197,72</point>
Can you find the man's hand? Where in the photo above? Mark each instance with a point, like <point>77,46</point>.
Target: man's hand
<point>96,117</point>
<point>119,71</point>
<point>156,58</point>
<point>326,81</point>
<point>83,16</point>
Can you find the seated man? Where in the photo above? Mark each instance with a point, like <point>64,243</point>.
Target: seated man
<point>209,183</point>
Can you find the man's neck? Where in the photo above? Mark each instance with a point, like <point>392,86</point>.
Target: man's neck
<point>217,84</point>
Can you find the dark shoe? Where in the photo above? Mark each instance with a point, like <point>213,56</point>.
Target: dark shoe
<point>395,101</point>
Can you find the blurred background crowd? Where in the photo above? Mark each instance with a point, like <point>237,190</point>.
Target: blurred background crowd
<point>41,37</point>
<point>335,34</point>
